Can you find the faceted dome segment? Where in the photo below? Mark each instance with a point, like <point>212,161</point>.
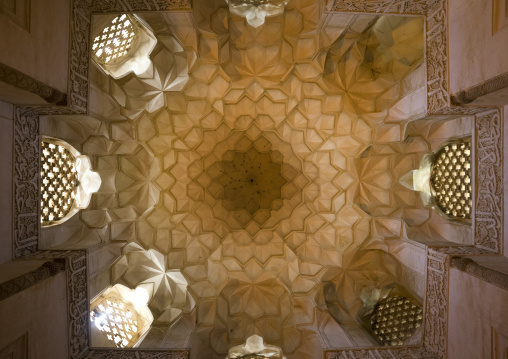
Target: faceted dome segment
<point>251,181</point>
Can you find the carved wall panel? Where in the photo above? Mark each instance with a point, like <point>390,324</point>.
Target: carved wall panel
<point>436,305</point>
<point>26,181</point>
<point>489,202</point>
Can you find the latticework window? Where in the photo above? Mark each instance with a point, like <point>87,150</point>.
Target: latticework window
<point>115,41</point>
<point>117,320</point>
<point>59,181</point>
<point>450,179</point>
<point>395,320</point>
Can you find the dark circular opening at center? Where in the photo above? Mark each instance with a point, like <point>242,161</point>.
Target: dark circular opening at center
<point>252,180</point>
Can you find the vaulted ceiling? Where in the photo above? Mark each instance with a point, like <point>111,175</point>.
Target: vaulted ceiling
<point>251,175</point>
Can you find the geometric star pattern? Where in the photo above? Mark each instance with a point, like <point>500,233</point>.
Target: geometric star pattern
<point>299,104</point>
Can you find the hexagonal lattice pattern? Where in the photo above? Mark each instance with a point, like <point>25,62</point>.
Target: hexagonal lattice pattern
<point>451,179</point>
<point>395,320</point>
<point>59,182</point>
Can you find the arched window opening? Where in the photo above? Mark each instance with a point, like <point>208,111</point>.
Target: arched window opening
<point>116,40</point>
<point>395,320</point>
<point>122,44</point>
<point>444,180</point>
<point>120,317</point>
<point>450,178</point>
<point>67,182</point>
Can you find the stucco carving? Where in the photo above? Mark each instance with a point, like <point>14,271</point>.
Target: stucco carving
<point>140,5</point>
<point>489,181</point>
<point>491,85</point>
<point>26,181</point>
<point>436,305</point>
<point>469,266</point>
<point>19,79</point>
<point>25,281</point>
<point>79,54</point>
<point>389,7</point>
<point>463,250</point>
<point>437,57</point>
<point>137,354</point>
<point>379,353</point>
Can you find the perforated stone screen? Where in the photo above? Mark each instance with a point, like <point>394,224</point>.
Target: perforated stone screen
<point>59,182</point>
<point>117,321</point>
<point>115,41</point>
<point>451,179</point>
<point>395,320</point>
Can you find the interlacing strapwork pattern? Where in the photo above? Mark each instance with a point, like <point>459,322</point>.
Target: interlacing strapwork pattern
<point>115,41</point>
<point>59,182</point>
<point>395,320</point>
<point>116,320</point>
<point>451,179</point>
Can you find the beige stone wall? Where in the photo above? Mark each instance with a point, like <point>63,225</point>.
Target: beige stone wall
<point>476,54</point>
<point>40,313</point>
<point>41,50</point>
<point>6,123</point>
<point>477,318</point>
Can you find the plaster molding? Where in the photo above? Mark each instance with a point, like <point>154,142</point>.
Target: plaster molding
<point>418,7</point>
<point>368,353</point>
<point>27,280</point>
<point>81,13</point>
<point>436,304</point>
<point>489,203</point>
<point>138,354</point>
<point>140,5</point>
<point>22,81</point>
<point>26,181</point>
<point>463,251</point>
<point>488,275</point>
<point>438,97</point>
<point>471,94</point>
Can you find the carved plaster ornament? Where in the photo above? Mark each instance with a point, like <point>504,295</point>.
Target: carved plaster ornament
<point>120,316</point>
<point>255,11</point>
<point>67,181</point>
<point>122,44</point>
<point>254,345</point>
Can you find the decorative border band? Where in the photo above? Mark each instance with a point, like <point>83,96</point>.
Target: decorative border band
<point>476,270</point>
<point>26,181</point>
<point>27,280</point>
<point>20,80</point>
<point>488,220</point>
<point>472,93</point>
<point>140,5</point>
<point>436,303</point>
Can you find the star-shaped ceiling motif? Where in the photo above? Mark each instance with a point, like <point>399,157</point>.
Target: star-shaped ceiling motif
<point>251,181</point>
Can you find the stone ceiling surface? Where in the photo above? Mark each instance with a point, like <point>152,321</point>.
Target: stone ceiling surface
<point>249,170</point>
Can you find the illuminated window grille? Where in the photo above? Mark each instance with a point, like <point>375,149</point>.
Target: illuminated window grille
<point>117,320</point>
<point>450,179</point>
<point>115,41</point>
<point>395,320</point>
<point>59,181</point>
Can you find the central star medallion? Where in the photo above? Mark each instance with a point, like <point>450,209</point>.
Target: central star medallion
<point>251,180</point>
